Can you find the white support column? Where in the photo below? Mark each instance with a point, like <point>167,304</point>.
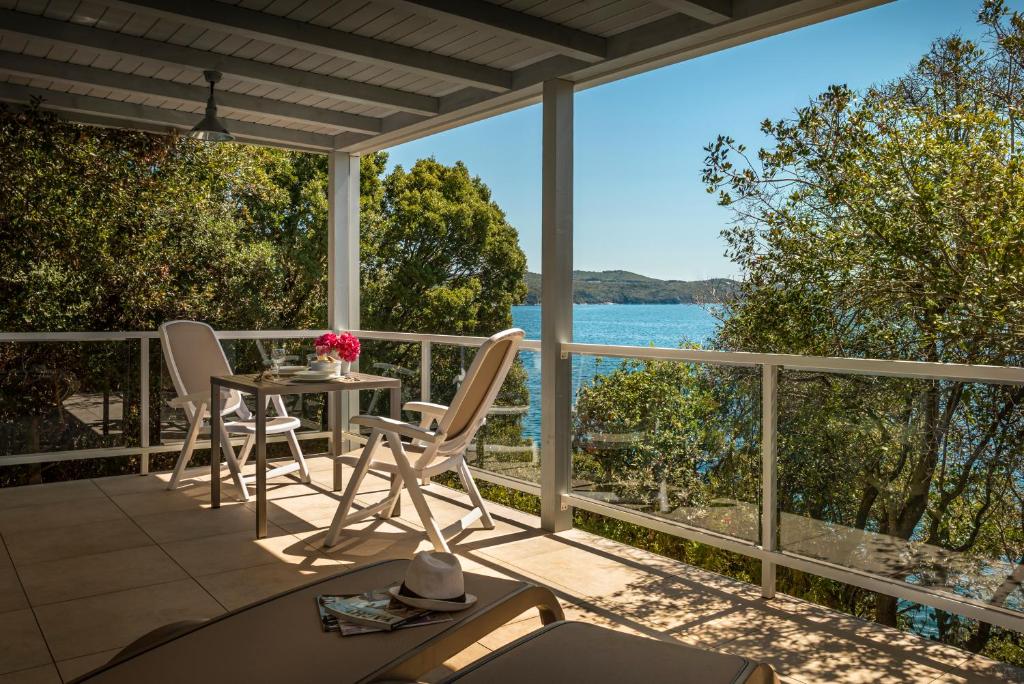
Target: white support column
<point>769,473</point>
<point>342,267</point>
<point>556,304</point>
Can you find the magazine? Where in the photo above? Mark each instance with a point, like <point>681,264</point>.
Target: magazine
<point>372,611</point>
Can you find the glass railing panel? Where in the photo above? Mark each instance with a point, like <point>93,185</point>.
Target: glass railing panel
<point>920,481</point>
<point>254,355</point>
<point>509,442</point>
<point>672,439</point>
<point>400,360</point>
<point>58,396</point>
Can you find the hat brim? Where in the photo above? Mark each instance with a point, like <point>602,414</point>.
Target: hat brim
<point>432,604</point>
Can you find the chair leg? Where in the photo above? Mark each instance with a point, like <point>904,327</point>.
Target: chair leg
<point>243,456</point>
<point>416,494</point>
<point>229,455</point>
<point>186,450</point>
<point>474,493</point>
<point>362,465</point>
<point>393,493</point>
<point>293,444</point>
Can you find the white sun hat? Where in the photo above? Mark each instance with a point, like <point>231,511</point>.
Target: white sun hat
<point>434,581</point>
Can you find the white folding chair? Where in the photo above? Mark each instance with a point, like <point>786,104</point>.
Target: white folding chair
<point>430,451</point>
<point>193,355</point>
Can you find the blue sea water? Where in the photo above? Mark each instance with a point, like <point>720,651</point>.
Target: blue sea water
<point>642,325</point>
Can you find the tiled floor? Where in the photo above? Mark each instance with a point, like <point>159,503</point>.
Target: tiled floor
<point>88,566</point>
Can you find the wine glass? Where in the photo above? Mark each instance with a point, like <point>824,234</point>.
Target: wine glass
<point>277,356</point>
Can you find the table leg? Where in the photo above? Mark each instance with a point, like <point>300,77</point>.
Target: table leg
<point>214,444</point>
<point>261,465</point>
<point>334,399</point>
<point>396,414</point>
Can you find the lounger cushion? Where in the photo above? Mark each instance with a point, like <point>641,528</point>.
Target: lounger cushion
<point>579,652</point>
<point>279,639</point>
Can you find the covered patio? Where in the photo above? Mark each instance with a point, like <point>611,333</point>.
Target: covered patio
<point>137,556</point>
<point>88,566</point>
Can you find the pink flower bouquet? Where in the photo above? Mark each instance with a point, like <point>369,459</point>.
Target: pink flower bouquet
<point>344,346</point>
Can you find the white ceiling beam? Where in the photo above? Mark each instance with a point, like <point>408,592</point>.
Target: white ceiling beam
<point>163,129</point>
<point>77,74</point>
<point>653,35</point>
<point>320,39</point>
<point>560,38</point>
<point>120,44</point>
<point>712,12</point>
<point>173,119</point>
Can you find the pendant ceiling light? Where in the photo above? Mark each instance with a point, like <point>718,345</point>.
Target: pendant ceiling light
<point>210,128</point>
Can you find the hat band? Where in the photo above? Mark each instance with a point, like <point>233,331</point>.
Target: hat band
<point>409,593</point>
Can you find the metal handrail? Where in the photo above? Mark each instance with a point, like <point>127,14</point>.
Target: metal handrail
<point>925,370</point>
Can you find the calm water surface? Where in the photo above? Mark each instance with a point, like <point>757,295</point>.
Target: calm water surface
<point>641,325</point>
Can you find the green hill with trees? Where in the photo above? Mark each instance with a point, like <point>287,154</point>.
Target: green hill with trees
<point>624,287</point>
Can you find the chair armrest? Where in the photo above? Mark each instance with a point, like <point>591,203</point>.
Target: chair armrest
<point>410,666</point>
<point>397,426</point>
<point>426,408</point>
<point>179,402</point>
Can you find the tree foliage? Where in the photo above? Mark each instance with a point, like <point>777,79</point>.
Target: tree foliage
<point>111,230</point>
<point>887,223</point>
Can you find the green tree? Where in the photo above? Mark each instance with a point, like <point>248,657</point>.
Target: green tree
<point>105,229</point>
<point>888,224</point>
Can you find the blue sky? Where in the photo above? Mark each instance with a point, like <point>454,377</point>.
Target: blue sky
<point>640,204</point>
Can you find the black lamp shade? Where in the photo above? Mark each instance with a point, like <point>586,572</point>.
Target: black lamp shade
<point>210,128</point>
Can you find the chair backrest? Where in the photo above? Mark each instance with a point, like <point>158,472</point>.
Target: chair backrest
<point>477,393</point>
<point>193,354</point>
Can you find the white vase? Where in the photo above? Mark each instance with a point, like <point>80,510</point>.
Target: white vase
<point>344,367</point>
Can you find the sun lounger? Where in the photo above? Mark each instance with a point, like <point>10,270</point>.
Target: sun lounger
<point>579,652</point>
<point>280,639</point>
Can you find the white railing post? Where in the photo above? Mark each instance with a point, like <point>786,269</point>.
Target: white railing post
<point>769,473</point>
<point>556,309</point>
<point>144,405</point>
<point>425,363</point>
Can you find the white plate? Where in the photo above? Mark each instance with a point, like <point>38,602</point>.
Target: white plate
<point>314,376</point>
<point>290,370</point>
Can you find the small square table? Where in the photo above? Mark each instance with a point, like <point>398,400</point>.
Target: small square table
<point>283,385</point>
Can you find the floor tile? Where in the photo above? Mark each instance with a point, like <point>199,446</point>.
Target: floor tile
<point>23,644</point>
<point>12,596</point>
<point>197,522</point>
<point>71,578</point>
<point>981,670</point>
<point>128,484</point>
<point>161,500</point>
<point>237,550</point>
<point>58,514</point>
<point>51,493</point>
<point>45,674</point>
<point>369,540</point>
<point>68,541</point>
<point>109,621</point>
<point>869,633</point>
<point>311,506</point>
<point>76,667</point>
<point>857,665</point>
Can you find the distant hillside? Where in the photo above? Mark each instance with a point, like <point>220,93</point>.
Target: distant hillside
<point>623,287</point>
